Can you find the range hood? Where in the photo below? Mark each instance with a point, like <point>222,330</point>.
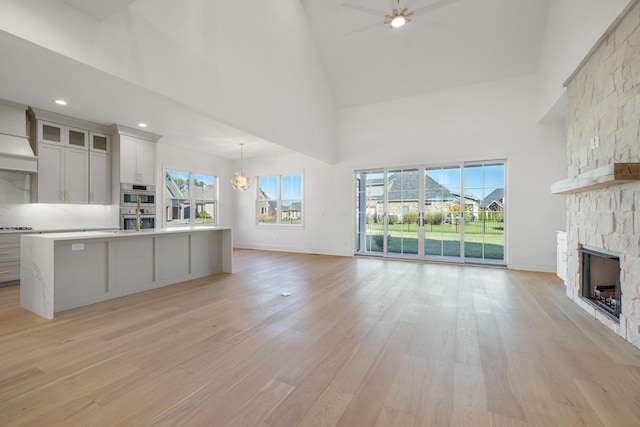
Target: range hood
<point>15,151</point>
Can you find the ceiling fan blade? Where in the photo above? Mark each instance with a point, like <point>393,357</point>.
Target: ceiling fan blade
<point>433,6</point>
<point>362,29</point>
<point>363,9</point>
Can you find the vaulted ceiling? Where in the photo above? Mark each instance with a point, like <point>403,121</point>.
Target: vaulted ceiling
<point>456,43</point>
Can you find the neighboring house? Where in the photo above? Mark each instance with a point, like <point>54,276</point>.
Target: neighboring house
<point>177,203</point>
<point>494,201</point>
<point>292,212</point>
<point>174,200</point>
<point>403,192</point>
<point>266,208</point>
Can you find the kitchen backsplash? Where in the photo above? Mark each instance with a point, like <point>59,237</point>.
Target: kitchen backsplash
<point>17,211</point>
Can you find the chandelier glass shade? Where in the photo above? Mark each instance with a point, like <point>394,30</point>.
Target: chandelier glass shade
<point>240,180</point>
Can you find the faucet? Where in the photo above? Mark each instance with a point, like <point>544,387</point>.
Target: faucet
<point>138,221</point>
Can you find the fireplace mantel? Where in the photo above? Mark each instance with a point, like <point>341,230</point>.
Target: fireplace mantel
<point>612,174</point>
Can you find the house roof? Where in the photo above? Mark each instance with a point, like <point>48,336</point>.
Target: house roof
<point>405,186</point>
<point>496,195</point>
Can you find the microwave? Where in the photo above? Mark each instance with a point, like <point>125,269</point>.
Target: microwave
<point>132,194</point>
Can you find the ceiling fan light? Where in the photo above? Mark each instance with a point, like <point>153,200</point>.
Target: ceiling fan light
<point>398,21</point>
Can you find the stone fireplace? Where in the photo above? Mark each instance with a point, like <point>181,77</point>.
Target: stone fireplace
<point>603,188</point>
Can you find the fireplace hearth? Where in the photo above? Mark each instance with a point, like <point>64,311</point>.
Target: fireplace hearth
<point>601,281</point>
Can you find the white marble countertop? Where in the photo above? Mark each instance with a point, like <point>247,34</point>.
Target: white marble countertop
<point>57,230</point>
<point>83,235</point>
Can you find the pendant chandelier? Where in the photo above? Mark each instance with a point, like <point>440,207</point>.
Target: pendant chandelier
<point>240,179</point>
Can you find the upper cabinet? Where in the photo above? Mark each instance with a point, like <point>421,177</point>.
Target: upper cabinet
<point>100,143</point>
<point>137,156</point>
<point>58,134</point>
<point>74,164</point>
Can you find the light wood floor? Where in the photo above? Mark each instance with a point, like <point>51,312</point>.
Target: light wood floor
<point>360,342</point>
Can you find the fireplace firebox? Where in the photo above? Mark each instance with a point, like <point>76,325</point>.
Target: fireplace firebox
<point>601,281</point>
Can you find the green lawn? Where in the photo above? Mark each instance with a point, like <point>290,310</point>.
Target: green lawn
<point>441,239</point>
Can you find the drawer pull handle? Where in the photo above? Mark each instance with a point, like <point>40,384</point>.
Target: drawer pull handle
<point>5,253</point>
<point>5,272</point>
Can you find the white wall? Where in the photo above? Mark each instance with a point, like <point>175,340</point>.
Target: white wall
<point>573,28</point>
<point>325,216</point>
<point>232,61</point>
<point>495,120</point>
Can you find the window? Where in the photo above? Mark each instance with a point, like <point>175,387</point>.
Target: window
<point>189,198</point>
<point>279,200</point>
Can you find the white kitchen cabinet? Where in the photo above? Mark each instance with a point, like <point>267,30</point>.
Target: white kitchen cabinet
<point>99,143</point>
<point>561,254</point>
<point>76,176</point>
<point>99,178</point>
<point>54,133</point>
<point>50,178</point>
<point>137,160</point>
<point>74,164</point>
<point>9,258</point>
<point>63,175</point>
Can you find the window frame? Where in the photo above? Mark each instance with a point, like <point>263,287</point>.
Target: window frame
<point>192,199</point>
<point>260,210</point>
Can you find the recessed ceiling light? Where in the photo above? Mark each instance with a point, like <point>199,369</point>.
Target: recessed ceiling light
<point>142,125</point>
<point>61,102</point>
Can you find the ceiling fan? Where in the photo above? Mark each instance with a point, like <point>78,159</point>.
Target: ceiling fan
<point>400,15</point>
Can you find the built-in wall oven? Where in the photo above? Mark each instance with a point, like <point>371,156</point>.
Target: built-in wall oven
<point>137,199</point>
<point>132,194</point>
<point>128,218</point>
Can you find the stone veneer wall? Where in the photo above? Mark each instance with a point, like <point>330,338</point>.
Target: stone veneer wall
<point>604,100</point>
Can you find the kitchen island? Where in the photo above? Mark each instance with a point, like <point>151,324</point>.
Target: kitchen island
<point>60,271</point>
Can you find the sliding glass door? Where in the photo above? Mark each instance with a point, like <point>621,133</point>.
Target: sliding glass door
<point>454,212</point>
<point>403,209</point>
<point>370,209</point>
<point>484,212</point>
<point>442,212</point>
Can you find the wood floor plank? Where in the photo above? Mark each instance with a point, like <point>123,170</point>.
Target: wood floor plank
<point>360,341</point>
<point>605,404</point>
<point>500,398</point>
<point>327,409</point>
<point>261,405</point>
<point>364,408</point>
<point>469,397</point>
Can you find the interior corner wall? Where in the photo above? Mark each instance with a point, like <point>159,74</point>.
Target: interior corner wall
<point>573,28</point>
<point>495,120</point>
